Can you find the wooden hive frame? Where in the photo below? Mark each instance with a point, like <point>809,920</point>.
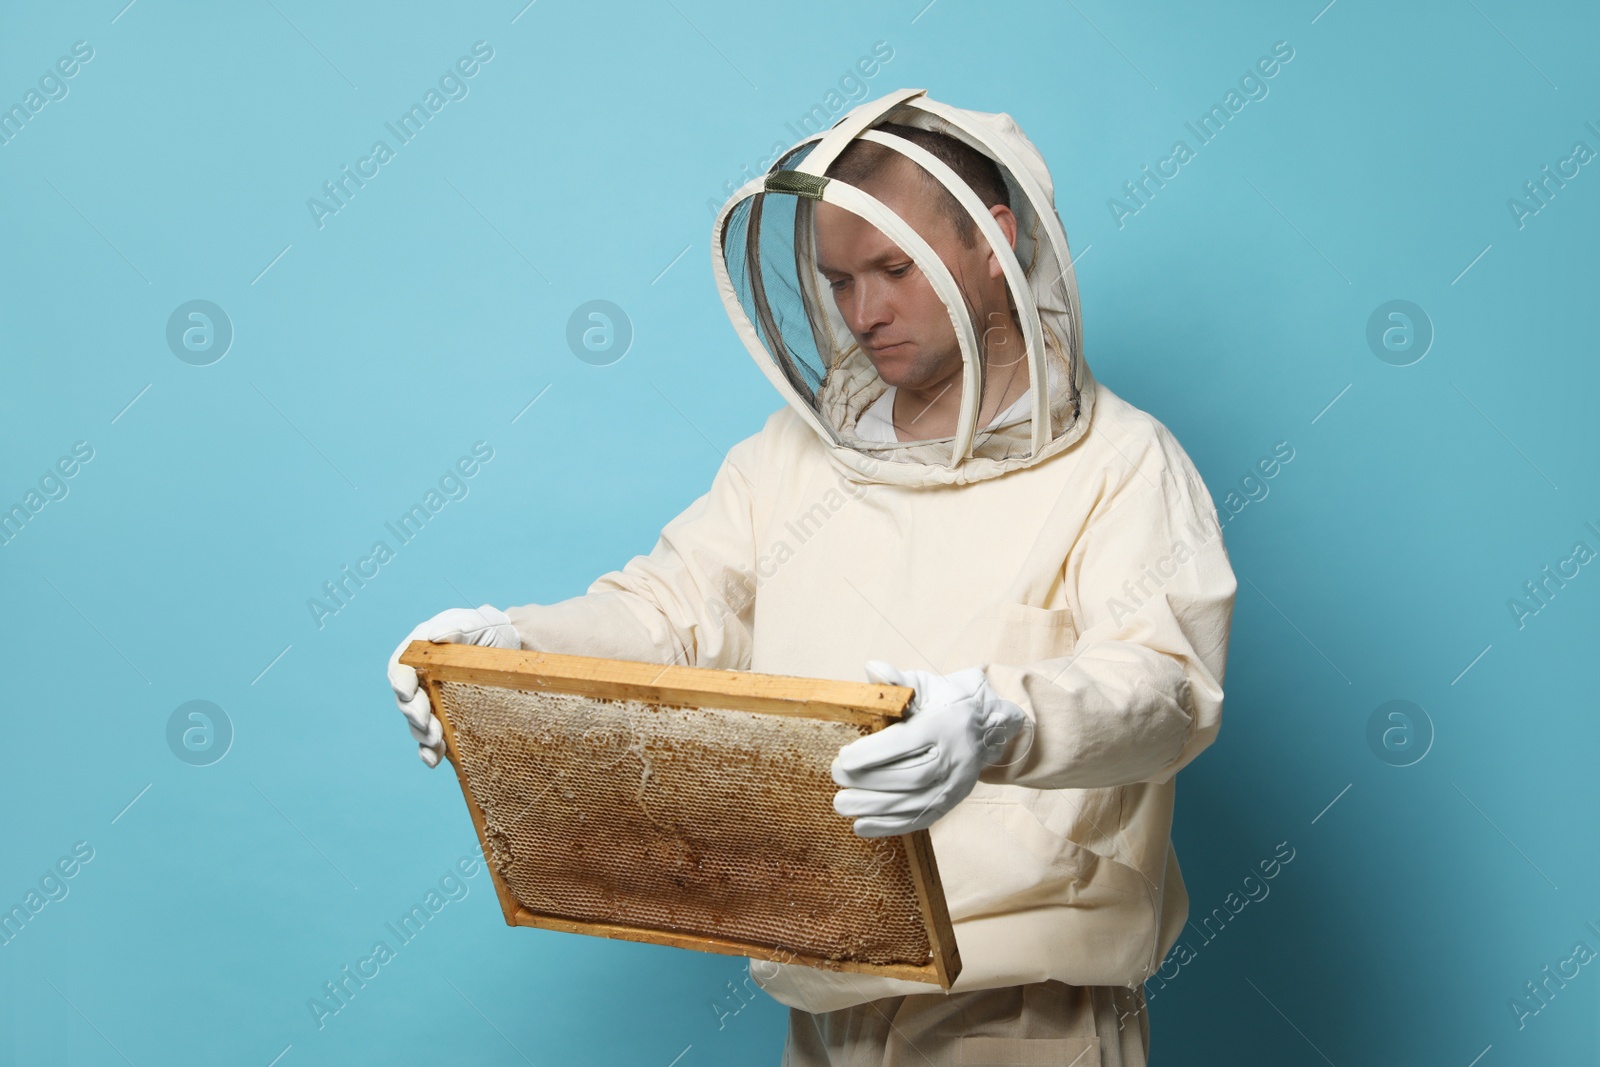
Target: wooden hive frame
<point>868,704</point>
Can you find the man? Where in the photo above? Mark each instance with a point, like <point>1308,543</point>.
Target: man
<point>950,498</point>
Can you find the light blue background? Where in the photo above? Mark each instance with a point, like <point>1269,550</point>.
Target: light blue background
<point>431,310</point>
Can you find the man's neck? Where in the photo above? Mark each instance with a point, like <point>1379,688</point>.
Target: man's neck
<point>920,414</point>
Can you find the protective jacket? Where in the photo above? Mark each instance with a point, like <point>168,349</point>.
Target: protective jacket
<point>1075,555</point>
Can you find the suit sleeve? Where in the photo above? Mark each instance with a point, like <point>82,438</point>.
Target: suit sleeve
<point>689,602</point>
<point>1152,592</point>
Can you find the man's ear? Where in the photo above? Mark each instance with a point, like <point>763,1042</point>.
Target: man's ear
<point>1008,226</point>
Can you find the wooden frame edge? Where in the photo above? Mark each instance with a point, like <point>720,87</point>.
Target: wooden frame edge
<point>864,703</point>
<point>723,946</point>
<point>946,963</point>
<point>508,903</point>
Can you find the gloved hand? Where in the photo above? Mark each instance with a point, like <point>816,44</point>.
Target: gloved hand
<point>485,626</point>
<point>908,775</point>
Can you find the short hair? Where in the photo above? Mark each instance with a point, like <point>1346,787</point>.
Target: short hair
<point>861,160</point>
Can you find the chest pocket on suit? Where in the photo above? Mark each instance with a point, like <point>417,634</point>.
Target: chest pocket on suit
<point>1020,633</point>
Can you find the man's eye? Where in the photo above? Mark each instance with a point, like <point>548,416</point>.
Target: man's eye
<point>900,271</point>
<point>838,284</point>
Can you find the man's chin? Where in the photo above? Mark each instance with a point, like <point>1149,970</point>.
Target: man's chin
<point>895,366</point>
<point>903,377</point>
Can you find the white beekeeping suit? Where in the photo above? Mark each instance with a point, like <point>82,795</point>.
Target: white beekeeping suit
<point>1049,534</point>
<point>1073,553</point>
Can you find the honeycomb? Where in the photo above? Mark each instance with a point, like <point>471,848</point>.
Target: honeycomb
<point>698,821</point>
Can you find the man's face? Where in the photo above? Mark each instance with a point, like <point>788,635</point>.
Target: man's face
<point>886,301</point>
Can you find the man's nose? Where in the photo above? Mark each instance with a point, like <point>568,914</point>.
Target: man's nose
<point>870,308</point>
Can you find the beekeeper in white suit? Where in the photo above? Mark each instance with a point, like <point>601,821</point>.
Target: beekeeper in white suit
<point>950,501</point>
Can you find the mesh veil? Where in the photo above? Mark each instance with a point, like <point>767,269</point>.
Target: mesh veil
<point>766,251</point>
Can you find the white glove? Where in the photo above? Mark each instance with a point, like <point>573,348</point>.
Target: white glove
<point>908,775</point>
<point>485,626</point>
